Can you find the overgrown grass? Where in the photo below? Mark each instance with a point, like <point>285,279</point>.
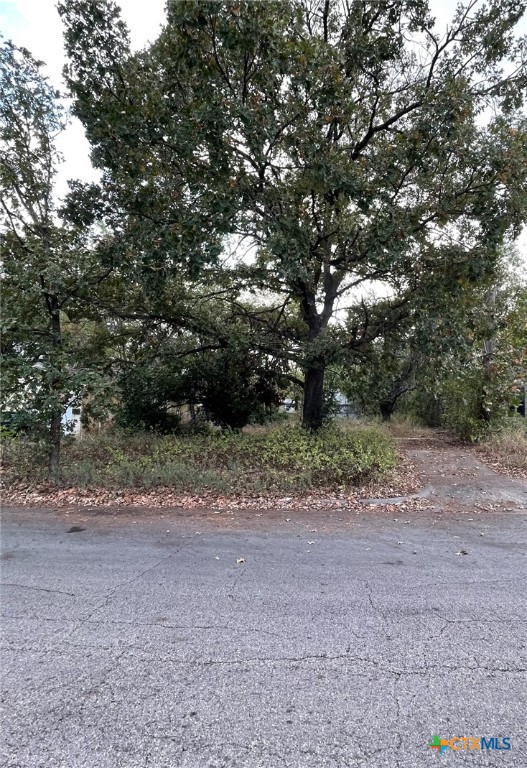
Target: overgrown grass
<point>407,425</point>
<point>285,458</point>
<point>508,448</point>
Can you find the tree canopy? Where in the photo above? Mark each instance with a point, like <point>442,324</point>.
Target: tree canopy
<point>344,143</point>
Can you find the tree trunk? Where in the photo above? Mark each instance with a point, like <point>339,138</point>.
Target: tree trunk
<point>313,411</point>
<point>55,435</point>
<point>387,407</point>
<point>488,355</point>
<point>55,425</point>
<point>488,359</point>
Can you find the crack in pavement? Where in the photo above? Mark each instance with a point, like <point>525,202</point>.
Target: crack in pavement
<point>426,618</point>
<point>156,625</point>
<point>376,610</point>
<point>324,657</point>
<point>236,581</point>
<point>102,682</point>
<point>38,589</point>
<point>127,582</point>
<point>399,738</point>
<point>367,756</point>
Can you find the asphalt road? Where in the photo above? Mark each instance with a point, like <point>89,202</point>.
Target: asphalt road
<point>134,644</point>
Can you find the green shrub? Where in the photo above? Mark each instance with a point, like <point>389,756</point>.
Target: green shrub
<point>284,458</point>
<point>466,404</point>
<point>471,408</point>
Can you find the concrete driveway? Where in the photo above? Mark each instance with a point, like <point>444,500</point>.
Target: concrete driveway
<point>143,642</point>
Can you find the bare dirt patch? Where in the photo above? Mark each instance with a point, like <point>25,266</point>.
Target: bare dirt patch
<point>456,476</point>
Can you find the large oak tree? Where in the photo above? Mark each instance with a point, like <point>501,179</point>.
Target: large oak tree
<point>347,143</point>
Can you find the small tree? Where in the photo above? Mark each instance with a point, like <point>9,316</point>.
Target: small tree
<point>45,265</point>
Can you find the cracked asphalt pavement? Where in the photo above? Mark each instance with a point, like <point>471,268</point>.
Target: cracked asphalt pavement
<point>143,642</point>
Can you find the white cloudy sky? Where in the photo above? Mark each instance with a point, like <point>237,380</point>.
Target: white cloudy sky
<point>36,25</point>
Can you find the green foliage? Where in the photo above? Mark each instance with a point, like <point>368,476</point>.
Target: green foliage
<point>461,398</point>
<point>461,364</point>
<point>317,139</point>
<point>286,458</point>
<point>146,393</point>
<point>235,387</point>
<point>226,390</point>
<point>322,140</point>
<point>15,422</point>
<point>227,383</point>
<point>332,456</point>
<point>46,266</point>
<point>22,458</point>
<point>481,378</point>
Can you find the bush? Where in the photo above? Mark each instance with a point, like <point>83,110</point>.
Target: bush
<point>466,404</point>
<point>472,408</point>
<point>231,389</point>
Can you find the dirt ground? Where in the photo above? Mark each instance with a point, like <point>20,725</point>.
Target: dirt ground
<point>452,476</point>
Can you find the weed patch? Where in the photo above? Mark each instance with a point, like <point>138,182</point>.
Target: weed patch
<point>507,450</point>
<point>285,458</point>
